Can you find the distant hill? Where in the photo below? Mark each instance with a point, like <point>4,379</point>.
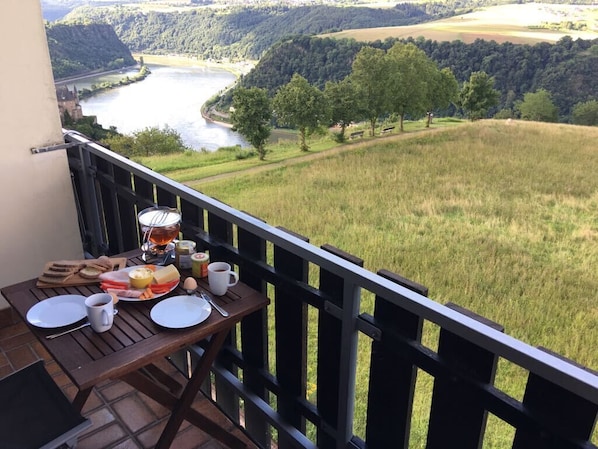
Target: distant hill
<point>77,49</point>
<point>239,33</point>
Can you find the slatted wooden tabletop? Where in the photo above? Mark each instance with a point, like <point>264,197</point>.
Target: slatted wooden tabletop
<point>135,340</point>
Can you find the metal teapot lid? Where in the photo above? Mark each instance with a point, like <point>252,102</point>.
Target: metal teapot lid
<point>156,217</point>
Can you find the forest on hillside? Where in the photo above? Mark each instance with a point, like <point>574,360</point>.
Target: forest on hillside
<point>243,33</point>
<point>77,49</point>
<point>566,69</point>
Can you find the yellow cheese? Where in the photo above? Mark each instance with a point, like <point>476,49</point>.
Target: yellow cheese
<point>167,274</point>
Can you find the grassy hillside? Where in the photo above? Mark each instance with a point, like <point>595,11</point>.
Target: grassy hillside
<point>499,217</point>
<point>527,23</point>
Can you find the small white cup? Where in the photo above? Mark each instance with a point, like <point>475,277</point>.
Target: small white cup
<point>100,311</point>
<point>219,277</point>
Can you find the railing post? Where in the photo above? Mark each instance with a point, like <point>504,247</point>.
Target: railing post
<point>337,348</point>
<point>392,379</point>
<point>291,340</point>
<point>457,417</point>
<point>254,338</point>
<point>563,415</point>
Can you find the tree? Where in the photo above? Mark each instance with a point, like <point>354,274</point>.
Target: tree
<point>538,107</point>
<point>251,117</point>
<point>147,142</point>
<point>586,113</point>
<point>412,75</point>
<point>478,95</point>
<point>153,141</point>
<point>370,72</point>
<point>444,89</point>
<point>344,102</point>
<point>298,104</point>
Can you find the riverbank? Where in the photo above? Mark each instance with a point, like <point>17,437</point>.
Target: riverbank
<point>237,68</point>
<point>70,79</point>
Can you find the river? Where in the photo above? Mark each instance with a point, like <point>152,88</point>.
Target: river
<point>170,96</point>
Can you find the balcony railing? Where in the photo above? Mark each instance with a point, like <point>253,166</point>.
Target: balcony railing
<point>308,341</point>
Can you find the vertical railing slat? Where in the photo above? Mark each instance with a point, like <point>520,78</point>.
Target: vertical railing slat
<point>560,413</point>
<point>254,338</point>
<point>330,347</point>
<point>392,379</point>
<point>228,400</point>
<point>457,417</point>
<point>291,340</point>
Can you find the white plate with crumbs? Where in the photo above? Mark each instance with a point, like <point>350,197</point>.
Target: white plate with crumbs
<point>57,311</point>
<point>181,311</point>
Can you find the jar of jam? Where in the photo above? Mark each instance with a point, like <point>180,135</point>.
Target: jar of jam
<point>199,265</point>
<point>183,251</point>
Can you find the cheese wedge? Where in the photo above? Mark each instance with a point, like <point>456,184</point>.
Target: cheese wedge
<point>167,274</point>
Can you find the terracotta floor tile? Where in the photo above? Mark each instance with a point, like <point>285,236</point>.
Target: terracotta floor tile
<point>114,390</point>
<point>134,413</point>
<point>103,438</point>
<point>21,357</point>
<point>128,444</point>
<point>190,438</point>
<point>150,436</point>
<point>12,330</point>
<point>159,410</point>
<point>100,418</point>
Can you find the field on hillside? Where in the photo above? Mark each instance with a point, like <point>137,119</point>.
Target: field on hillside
<point>498,217</point>
<point>516,23</point>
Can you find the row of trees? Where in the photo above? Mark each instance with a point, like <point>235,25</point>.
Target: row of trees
<point>566,69</point>
<point>402,81</point>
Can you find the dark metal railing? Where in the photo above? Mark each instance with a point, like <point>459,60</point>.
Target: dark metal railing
<point>309,338</point>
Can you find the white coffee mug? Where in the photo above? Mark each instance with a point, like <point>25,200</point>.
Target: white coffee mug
<point>100,311</point>
<point>219,277</point>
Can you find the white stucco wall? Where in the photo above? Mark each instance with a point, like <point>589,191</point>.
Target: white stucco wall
<point>38,220</point>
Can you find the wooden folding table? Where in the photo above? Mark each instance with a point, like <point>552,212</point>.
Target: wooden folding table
<point>130,348</point>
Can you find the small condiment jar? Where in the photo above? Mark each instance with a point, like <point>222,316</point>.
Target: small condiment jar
<point>183,251</point>
<point>199,265</point>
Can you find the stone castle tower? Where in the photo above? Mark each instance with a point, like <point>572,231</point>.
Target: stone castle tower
<point>68,102</point>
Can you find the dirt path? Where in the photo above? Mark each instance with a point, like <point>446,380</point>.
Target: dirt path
<point>351,146</point>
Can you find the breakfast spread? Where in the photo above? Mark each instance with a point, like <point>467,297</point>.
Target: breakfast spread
<point>140,283</point>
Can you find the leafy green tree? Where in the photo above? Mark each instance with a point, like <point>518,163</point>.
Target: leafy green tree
<point>370,74</point>
<point>147,142</point>
<point>412,77</point>
<point>586,113</point>
<point>153,141</point>
<point>251,117</point>
<point>478,95</point>
<point>344,102</point>
<point>442,91</point>
<point>298,104</point>
<point>538,107</point>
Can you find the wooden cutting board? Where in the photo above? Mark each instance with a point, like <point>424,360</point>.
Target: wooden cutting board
<point>119,263</point>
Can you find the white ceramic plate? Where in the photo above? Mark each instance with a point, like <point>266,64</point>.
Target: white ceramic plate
<point>181,311</point>
<point>57,311</point>
<point>123,276</point>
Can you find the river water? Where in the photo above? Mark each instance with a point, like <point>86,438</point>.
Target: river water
<point>169,96</point>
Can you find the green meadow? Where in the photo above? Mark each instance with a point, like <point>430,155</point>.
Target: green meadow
<point>500,217</point>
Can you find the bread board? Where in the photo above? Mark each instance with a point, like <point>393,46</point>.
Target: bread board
<point>118,262</point>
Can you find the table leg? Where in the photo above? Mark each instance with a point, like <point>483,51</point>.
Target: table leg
<point>184,403</point>
<point>81,399</point>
